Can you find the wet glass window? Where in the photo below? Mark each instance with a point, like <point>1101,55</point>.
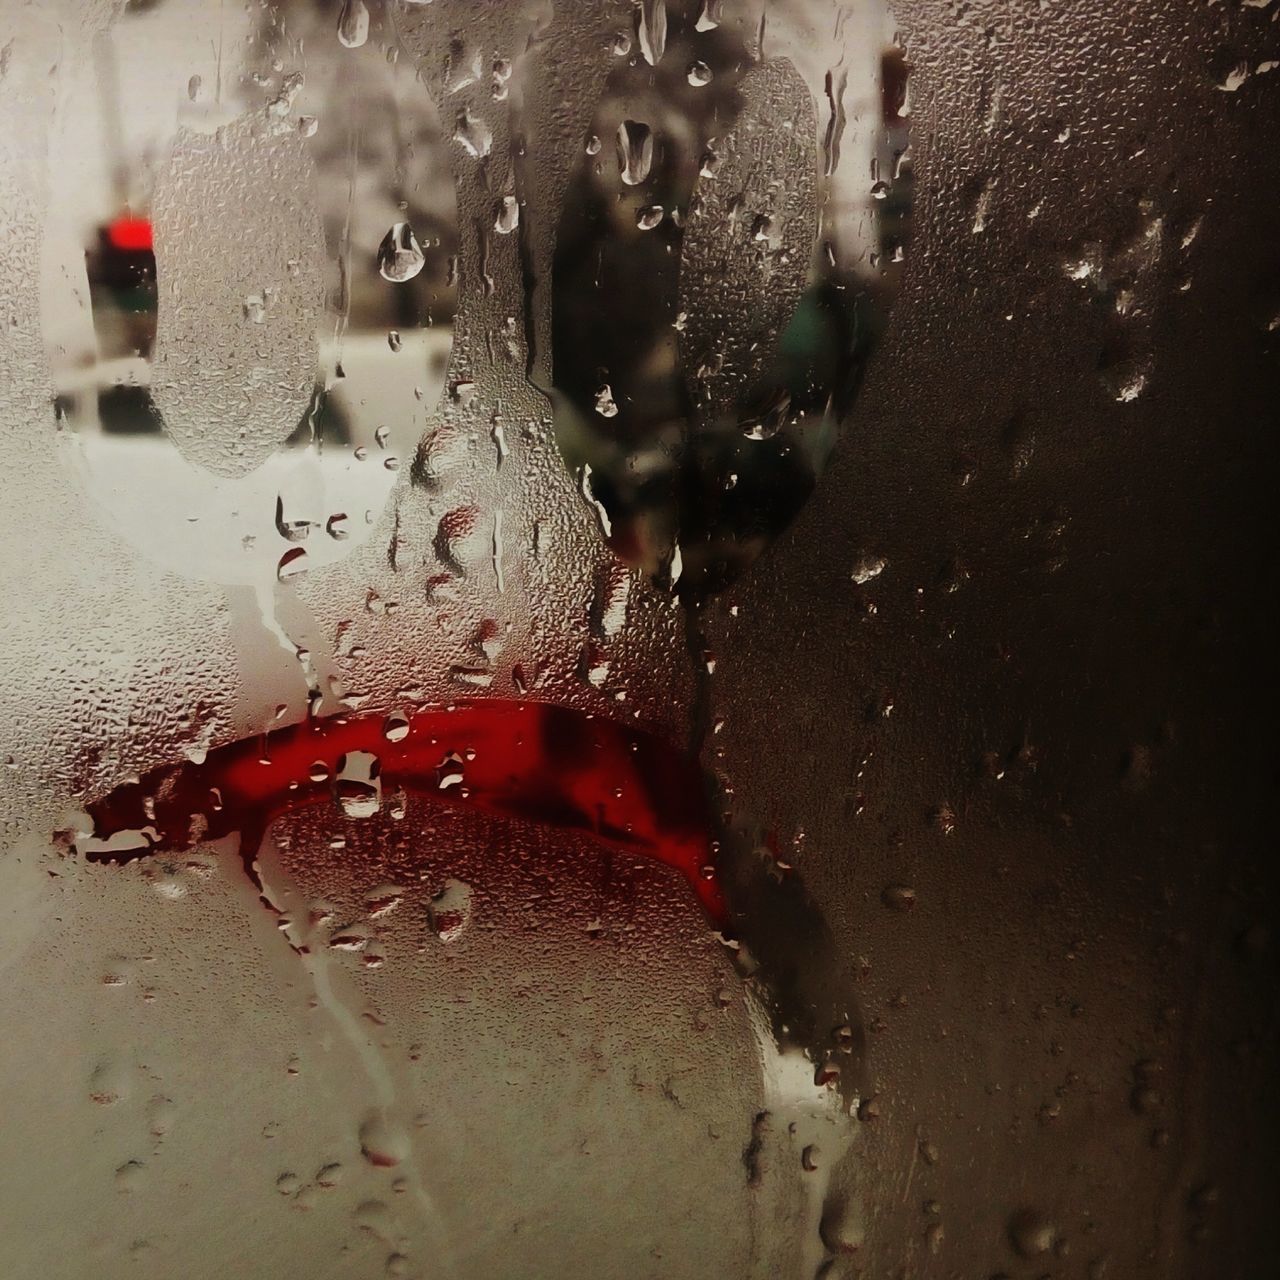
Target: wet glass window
<point>636,639</point>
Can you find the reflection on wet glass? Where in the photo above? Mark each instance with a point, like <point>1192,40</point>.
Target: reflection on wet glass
<point>296,264</point>
<point>725,261</point>
<point>245,339</point>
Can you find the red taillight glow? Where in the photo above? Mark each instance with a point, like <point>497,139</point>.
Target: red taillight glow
<point>130,234</point>
<point>552,765</point>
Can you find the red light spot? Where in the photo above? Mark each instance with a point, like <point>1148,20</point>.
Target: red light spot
<point>130,234</point>
<point>547,764</point>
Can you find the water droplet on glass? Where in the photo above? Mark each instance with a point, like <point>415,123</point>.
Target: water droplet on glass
<point>652,30</point>
<point>710,16</point>
<point>394,341</point>
<point>868,1109</point>
<point>1234,78</point>
<point>606,407</point>
<point>336,525</point>
<point>635,151</point>
<point>383,899</point>
<point>449,773</point>
<point>290,530</point>
<point>868,567</point>
<point>382,1143</point>
<point>474,134</point>
<point>350,937</point>
<point>358,785</point>
<point>649,217</point>
<point>400,257</point>
<point>449,912</point>
<point>395,728</point>
<point>899,897</point>
<point>699,74</point>
<point>374,1218</point>
<point>292,564</point>
<point>507,219</point>
<point>1030,1233</point>
<point>353,24</point>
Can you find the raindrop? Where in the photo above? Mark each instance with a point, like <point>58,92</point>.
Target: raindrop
<point>374,1217</point>
<point>399,255</point>
<point>606,407</point>
<point>653,30</point>
<point>395,728</point>
<point>899,897</point>
<point>1234,78</point>
<point>450,772</point>
<point>351,937</point>
<point>710,16</point>
<point>474,134</point>
<point>649,217</point>
<point>292,564</point>
<point>868,567</point>
<point>394,340</point>
<point>353,24</point>
<point>507,218</point>
<point>358,785</point>
<point>1030,1233</point>
<point>290,530</point>
<point>699,74</point>
<point>449,912</point>
<point>383,899</point>
<point>336,525</point>
<point>382,1143</point>
<point>635,151</point>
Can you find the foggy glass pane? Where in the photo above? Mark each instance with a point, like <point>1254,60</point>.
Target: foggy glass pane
<point>633,636</point>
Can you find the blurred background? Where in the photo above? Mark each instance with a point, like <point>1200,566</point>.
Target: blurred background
<point>990,668</point>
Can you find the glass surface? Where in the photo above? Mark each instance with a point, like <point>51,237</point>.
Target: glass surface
<point>632,638</point>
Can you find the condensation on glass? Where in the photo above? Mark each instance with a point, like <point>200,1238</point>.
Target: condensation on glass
<point>590,646</point>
